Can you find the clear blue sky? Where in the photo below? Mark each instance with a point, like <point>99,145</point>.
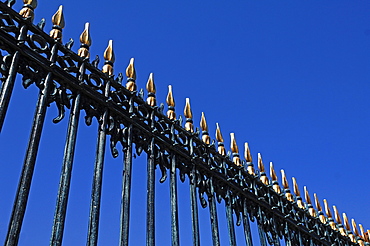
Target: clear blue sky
<point>291,78</point>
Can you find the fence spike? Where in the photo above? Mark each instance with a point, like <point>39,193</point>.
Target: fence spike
<point>354,228</point>
<point>235,150</point>
<point>150,87</point>
<point>131,76</point>
<point>109,59</point>
<point>58,24</point>
<point>204,126</point>
<point>171,104</point>
<point>319,209</point>
<point>28,9</point>
<point>85,40</point>
<point>329,215</point>
<point>350,234</point>
<point>339,222</point>
<point>261,167</point>
<point>311,210</point>
<point>367,236</point>
<point>297,194</point>
<point>363,233</point>
<point>275,184</point>
<point>220,141</point>
<point>285,184</point>
<point>189,116</point>
<point>248,158</point>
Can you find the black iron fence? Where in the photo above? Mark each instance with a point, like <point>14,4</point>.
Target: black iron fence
<point>138,126</point>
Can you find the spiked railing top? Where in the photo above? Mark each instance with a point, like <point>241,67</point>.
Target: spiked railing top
<point>203,124</point>
<point>337,216</point>
<point>109,59</point>
<point>317,203</point>
<point>28,9</point>
<point>171,104</point>
<point>85,40</point>
<point>150,87</point>
<point>247,153</point>
<point>189,116</point>
<point>58,24</point>
<point>234,146</point>
<point>220,141</point>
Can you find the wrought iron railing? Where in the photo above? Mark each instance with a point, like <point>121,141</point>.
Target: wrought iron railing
<point>72,82</point>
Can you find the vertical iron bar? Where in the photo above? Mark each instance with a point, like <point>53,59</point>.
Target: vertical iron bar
<point>7,87</point>
<point>174,205</point>
<point>260,230</point>
<point>150,212</point>
<point>92,238</point>
<point>126,185</point>
<point>20,203</point>
<point>65,177</point>
<point>230,222</point>
<point>194,209</point>
<point>213,215</point>
<point>247,228</point>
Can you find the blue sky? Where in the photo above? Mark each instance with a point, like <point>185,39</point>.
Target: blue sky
<point>291,78</point>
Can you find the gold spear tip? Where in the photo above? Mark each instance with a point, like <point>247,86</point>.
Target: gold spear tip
<point>150,87</point>
<point>187,111</point>
<point>108,53</point>
<point>346,223</point>
<point>32,3</point>
<point>233,146</point>
<point>307,196</point>
<point>295,187</point>
<point>130,70</point>
<point>272,172</point>
<point>284,180</point>
<point>247,153</point>
<point>170,100</point>
<point>327,209</point>
<point>219,137</point>
<point>203,123</point>
<point>337,216</point>
<point>85,35</point>
<point>58,17</point>
<point>354,227</point>
<point>261,167</point>
<point>317,203</point>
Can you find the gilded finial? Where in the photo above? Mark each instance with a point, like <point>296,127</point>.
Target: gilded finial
<point>28,9</point>
<point>319,209</point>
<point>150,87</point>
<point>248,158</point>
<point>360,239</point>
<point>328,214</point>
<point>189,116</point>
<point>171,104</point>
<point>363,233</point>
<point>131,76</point>
<point>339,222</point>
<point>235,150</point>
<point>109,59</point>
<point>275,184</point>
<point>297,194</point>
<point>220,141</point>
<point>285,184</point>
<point>348,228</point>
<point>58,24</point>
<point>204,126</point>
<point>311,210</point>
<point>261,167</point>
<point>85,40</point>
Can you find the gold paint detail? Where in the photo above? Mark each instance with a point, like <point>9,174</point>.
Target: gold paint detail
<point>58,22</point>
<point>319,208</point>
<point>28,9</point>
<point>275,184</point>
<point>220,141</point>
<point>85,40</point>
<point>297,194</point>
<point>131,76</point>
<point>150,87</point>
<point>311,210</point>
<point>235,150</point>
<point>109,59</point>
<point>189,116</point>
<point>261,167</point>
<point>329,215</point>
<point>285,184</point>
<point>171,104</point>
<point>203,124</point>
<point>248,158</point>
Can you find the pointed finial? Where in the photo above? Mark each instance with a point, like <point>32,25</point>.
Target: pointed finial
<point>150,87</point>
<point>28,9</point>
<point>85,40</point>
<point>131,76</point>
<point>319,209</point>
<point>189,116</point>
<point>339,222</point>
<point>275,184</point>
<point>330,217</point>
<point>285,184</point>
<point>220,141</point>
<point>203,124</point>
<point>261,167</point>
<point>311,210</point>
<point>297,194</point>
<point>58,25</point>
<point>355,230</point>
<point>248,158</point>
<point>109,59</point>
<point>364,235</point>
<point>235,150</point>
<point>171,104</point>
<point>348,228</point>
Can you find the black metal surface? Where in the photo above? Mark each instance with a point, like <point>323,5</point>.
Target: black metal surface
<point>66,79</point>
